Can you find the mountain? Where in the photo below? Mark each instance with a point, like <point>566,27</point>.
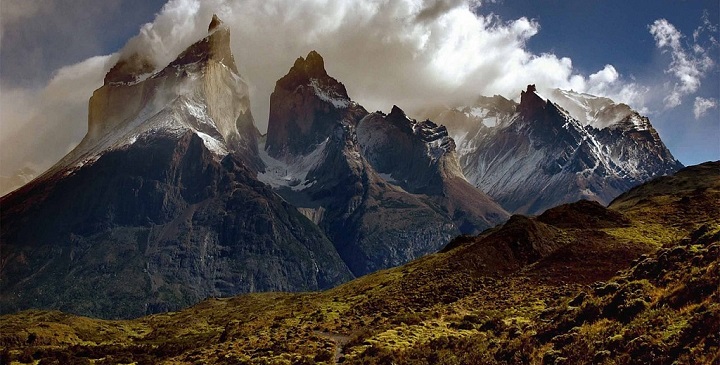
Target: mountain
<point>544,152</point>
<point>384,188</point>
<point>578,284</point>
<point>158,207</point>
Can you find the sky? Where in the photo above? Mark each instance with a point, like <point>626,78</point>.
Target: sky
<point>659,56</point>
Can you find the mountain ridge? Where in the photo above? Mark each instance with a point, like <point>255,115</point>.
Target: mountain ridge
<point>534,155</point>
<point>336,162</point>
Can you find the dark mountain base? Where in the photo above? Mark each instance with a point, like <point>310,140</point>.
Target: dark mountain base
<point>625,288</point>
<point>156,227</point>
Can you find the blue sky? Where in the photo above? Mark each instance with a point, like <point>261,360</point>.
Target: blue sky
<point>384,52</point>
<point>597,32</point>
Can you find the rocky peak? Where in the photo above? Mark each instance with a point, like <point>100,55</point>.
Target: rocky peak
<point>426,130</point>
<point>530,102</point>
<point>215,23</point>
<point>216,46</point>
<point>312,66</point>
<point>398,117</point>
<point>202,85</point>
<point>397,114</point>
<point>305,107</point>
<point>311,71</point>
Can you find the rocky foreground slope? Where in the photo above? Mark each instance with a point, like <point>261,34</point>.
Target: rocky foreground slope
<point>636,283</point>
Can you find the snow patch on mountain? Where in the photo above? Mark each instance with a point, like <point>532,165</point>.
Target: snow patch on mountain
<point>293,172</point>
<point>388,178</point>
<point>596,111</point>
<point>329,96</point>
<point>213,144</point>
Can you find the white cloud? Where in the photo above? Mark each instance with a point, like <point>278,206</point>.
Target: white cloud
<point>405,52</point>
<point>689,63</point>
<point>702,106</point>
<point>40,126</point>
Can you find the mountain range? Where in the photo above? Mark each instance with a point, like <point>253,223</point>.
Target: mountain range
<point>544,152</point>
<point>174,196</point>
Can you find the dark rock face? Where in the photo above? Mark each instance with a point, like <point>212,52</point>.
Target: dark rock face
<point>372,224</point>
<point>420,158</point>
<point>405,148</point>
<point>305,106</point>
<point>531,105</point>
<point>385,189</point>
<point>537,155</point>
<point>216,46</point>
<point>158,207</point>
<point>154,227</point>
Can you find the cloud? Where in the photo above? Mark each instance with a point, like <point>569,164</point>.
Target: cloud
<point>405,52</point>
<point>702,106</point>
<point>689,63</point>
<point>40,36</point>
<point>40,126</point>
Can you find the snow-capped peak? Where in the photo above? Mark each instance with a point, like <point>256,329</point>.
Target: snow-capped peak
<point>200,92</point>
<point>596,111</point>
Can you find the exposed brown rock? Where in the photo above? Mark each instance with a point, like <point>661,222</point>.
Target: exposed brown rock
<point>127,70</point>
<point>299,118</point>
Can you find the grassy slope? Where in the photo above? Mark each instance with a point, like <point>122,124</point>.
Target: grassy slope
<point>566,287</point>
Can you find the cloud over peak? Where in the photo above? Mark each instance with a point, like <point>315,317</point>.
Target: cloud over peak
<point>406,52</point>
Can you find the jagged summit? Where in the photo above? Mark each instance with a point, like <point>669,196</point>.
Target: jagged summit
<point>311,71</point>
<point>215,23</point>
<point>557,149</point>
<point>531,103</point>
<point>435,135</point>
<point>397,113</point>
<point>313,65</point>
<point>216,46</point>
<point>305,107</point>
<point>200,91</point>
